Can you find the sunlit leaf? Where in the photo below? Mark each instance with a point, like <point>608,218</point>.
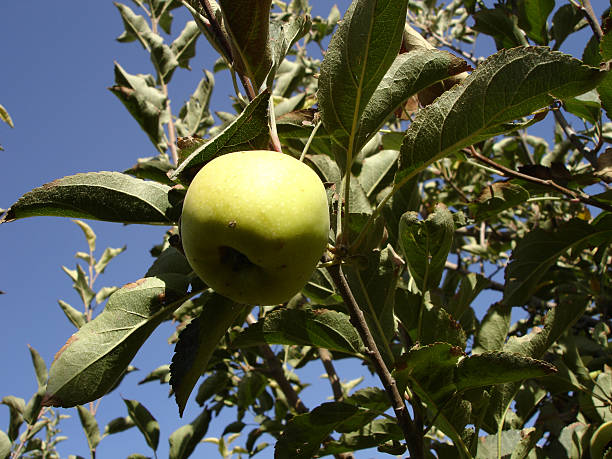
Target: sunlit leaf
<point>90,426</point>
<point>108,196</point>
<point>96,356</point>
<point>184,439</point>
<point>145,422</point>
<point>509,85</point>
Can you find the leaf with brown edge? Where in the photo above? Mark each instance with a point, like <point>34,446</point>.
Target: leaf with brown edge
<point>96,357</point>
<point>107,196</point>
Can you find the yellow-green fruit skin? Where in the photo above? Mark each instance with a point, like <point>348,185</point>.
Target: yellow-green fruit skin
<point>600,440</point>
<point>254,225</point>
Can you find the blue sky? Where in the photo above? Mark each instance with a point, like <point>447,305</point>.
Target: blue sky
<point>57,62</point>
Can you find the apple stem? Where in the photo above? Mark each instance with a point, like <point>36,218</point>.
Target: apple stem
<point>274,140</point>
<point>414,438</point>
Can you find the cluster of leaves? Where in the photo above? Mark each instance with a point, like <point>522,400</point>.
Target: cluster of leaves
<point>435,185</point>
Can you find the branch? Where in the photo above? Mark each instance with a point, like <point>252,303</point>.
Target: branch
<point>574,139</point>
<point>587,10</point>
<point>278,374</point>
<point>506,172</point>
<point>326,358</point>
<point>414,439</point>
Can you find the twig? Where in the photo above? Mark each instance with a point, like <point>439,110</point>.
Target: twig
<point>326,358</point>
<point>574,139</point>
<point>414,439</point>
<point>278,374</point>
<point>503,170</point>
<point>587,10</point>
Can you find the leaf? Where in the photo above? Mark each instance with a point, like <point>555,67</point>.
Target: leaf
<point>39,368</point>
<point>82,287</point>
<point>496,198</point>
<point>169,261</point>
<point>426,245</point>
<point>532,18</point>
<point>162,56</point>
<point>374,434</point>
<point>194,116</point>
<point>540,249</point>
<point>501,25</point>
<point>154,168</point>
<point>184,439</point>
<point>360,52</point>
<point>184,47</point>
<point>104,293</point>
<point>108,254</point>
<point>89,234</point>
<point>374,169</point>
<point>4,116</point>
<point>247,22</point>
<point>5,445</point>
<point>283,34</point>
<point>118,425</point>
<point>16,410</point>
<point>96,356</point>
<point>306,327</point>
<point>564,22</point>
<point>409,74</point>
<point>249,131</point>
<point>108,196</point>
<point>90,426</point>
<point>305,432</point>
<point>145,422</point>
<point>509,85</point>
<point>144,101</point>
<point>493,329</point>
<point>491,368</point>
<point>196,344</point>
<point>161,374</point>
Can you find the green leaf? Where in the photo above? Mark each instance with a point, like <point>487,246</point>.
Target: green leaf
<point>426,245</point>
<point>361,51</point>
<point>145,102</point>
<point>90,426</point>
<point>532,18</point>
<point>109,196</point>
<point>89,234</point>
<point>306,327</point>
<point>305,432</point>
<point>184,47</point>
<point>374,434</point>
<point>565,21</point>
<point>118,425</point>
<point>184,439</point>
<point>491,368</point>
<point>154,168</point>
<point>409,74</point>
<point>283,34</point>
<point>169,261</point>
<point>161,374</point>
<point>5,445</point>
<point>145,422</point>
<point>196,344</point>
<point>194,116</point>
<point>16,407</point>
<point>375,168</point>
<point>162,56</point>
<point>493,329</point>
<point>82,287</point>
<point>104,293</point>
<point>540,249</point>
<point>250,388</point>
<point>4,116</point>
<point>509,85</point>
<point>496,198</point>
<point>96,356</point>
<point>501,25</point>
<point>248,22</point>
<point>39,368</point>
<point>249,131</point>
<point>108,254</point>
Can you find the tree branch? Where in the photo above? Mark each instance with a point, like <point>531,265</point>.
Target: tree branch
<point>503,170</point>
<point>587,10</point>
<point>326,358</point>
<point>414,439</point>
<point>574,139</point>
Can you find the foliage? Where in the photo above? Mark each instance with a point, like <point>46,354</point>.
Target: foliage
<point>436,184</point>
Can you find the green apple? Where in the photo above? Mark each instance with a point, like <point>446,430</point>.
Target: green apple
<point>254,225</point>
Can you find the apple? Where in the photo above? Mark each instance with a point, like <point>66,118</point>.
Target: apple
<point>254,225</point>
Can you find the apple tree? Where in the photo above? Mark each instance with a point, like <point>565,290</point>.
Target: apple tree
<point>443,185</point>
